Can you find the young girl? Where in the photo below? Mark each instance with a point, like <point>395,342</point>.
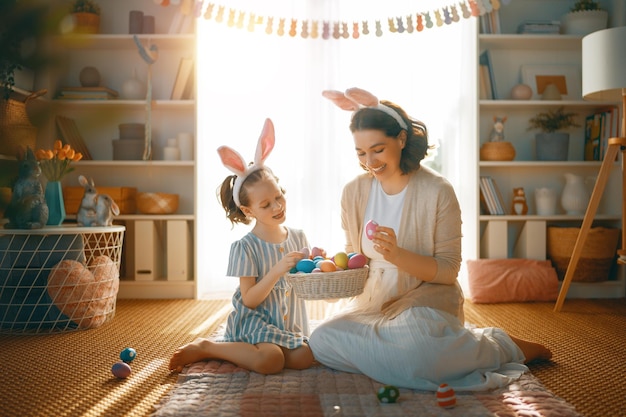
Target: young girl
<point>267,330</point>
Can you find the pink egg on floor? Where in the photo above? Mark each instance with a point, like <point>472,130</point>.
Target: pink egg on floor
<point>121,370</point>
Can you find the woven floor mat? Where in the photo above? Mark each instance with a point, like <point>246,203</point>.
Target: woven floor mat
<point>216,388</point>
<point>69,374</point>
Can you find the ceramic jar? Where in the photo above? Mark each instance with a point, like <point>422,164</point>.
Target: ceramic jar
<point>133,88</point>
<point>545,201</point>
<point>575,197</point>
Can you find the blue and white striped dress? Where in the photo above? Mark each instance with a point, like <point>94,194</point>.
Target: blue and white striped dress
<point>281,318</point>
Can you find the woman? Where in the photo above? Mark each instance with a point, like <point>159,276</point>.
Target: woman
<point>407,327</point>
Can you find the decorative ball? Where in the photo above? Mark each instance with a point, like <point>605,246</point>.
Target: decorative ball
<point>89,77</point>
<point>370,229</point>
<point>121,370</point>
<point>445,396</point>
<point>388,394</point>
<point>128,354</point>
<point>521,92</point>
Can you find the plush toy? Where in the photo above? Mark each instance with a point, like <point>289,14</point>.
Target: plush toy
<point>85,294</point>
<point>497,132</point>
<point>519,205</point>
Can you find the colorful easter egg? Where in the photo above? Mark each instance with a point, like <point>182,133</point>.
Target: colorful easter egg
<point>341,260</point>
<point>315,251</point>
<point>128,354</point>
<point>445,396</point>
<point>306,252</point>
<point>327,266</point>
<point>357,261</point>
<point>120,370</point>
<point>370,229</point>
<point>305,265</point>
<point>388,394</point>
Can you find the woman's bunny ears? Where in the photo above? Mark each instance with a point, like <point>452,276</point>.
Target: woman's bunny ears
<point>234,161</point>
<point>356,98</point>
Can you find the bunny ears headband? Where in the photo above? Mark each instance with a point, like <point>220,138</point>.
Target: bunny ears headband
<point>234,162</point>
<point>356,98</point>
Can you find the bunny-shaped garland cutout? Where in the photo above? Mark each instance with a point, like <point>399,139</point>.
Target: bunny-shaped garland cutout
<point>235,163</point>
<point>356,98</point>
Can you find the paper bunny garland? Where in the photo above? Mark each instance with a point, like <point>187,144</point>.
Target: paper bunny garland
<point>356,98</point>
<point>235,162</point>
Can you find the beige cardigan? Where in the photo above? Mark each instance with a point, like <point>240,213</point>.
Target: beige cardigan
<point>430,225</point>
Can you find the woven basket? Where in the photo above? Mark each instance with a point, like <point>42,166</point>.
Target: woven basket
<point>157,203</point>
<point>329,285</point>
<point>497,151</point>
<point>16,130</point>
<point>598,254</point>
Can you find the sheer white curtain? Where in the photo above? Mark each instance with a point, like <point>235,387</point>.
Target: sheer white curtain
<point>245,77</point>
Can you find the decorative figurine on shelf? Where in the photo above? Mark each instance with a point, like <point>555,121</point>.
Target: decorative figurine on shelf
<point>497,132</point>
<point>105,209</point>
<point>27,208</point>
<point>519,206</point>
<point>497,149</point>
<point>95,209</point>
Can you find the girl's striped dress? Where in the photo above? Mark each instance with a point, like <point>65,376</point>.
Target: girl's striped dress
<point>281,318</point>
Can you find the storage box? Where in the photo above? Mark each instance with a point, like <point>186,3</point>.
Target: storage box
<point>124,197</point>
<point>128,149</point>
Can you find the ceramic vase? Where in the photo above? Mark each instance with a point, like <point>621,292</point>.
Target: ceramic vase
<point>133,88</point>
<point>56,206</point>
<point>575,197</point>
<point>545,201</point>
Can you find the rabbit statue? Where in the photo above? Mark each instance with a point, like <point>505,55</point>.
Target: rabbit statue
<point>105,209</point>
<point>86,215</point>
<point>27,208</point>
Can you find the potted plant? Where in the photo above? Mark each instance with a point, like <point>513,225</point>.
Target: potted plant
<point>86,16</point>
<point>551,143</point>
<point>585,16</point>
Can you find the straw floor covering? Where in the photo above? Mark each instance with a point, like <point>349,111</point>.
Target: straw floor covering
<point>69,374</point>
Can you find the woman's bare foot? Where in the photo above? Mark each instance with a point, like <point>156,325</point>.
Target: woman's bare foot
<point>532,351</point>
<point>193,352</point>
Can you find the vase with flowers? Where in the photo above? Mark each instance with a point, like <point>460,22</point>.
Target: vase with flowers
<point>584,17</point>
<point>55,163</point>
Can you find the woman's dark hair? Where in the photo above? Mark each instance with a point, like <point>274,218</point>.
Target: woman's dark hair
<point>416,146</point>
<point>225,193</point>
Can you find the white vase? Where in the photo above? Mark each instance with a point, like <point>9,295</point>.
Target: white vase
<point>575,197</point>
<point>545,201</point>
<point>134,88</point>
<point>584,22</point>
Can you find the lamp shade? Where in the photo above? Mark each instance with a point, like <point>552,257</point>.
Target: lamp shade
<point>604,64</point>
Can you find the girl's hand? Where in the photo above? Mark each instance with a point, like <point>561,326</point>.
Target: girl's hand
<point>288,262</point>
<point>386,243</point>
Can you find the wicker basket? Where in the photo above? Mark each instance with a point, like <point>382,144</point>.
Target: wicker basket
<point>157,203</point>
<point>87,23</point>
<point>598,254</point>
<point>58,279</point>
<point>497,151</point>
<point>16,130</point>
<point>329,285</point>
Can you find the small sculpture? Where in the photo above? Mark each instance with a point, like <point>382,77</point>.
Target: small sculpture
<point>497,132</point>
<point>86,215</point>
<point>519,206</point>
<point>27,208</point>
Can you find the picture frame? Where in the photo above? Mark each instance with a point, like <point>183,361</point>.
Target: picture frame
<point>566,77</point>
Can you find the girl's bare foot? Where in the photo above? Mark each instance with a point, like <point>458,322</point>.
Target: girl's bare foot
<point>532,351</point>
<point>193,352</point>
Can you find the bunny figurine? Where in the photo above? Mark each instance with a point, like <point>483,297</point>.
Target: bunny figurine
<point>105,209</point>
<point>86,215</point>
<point>27,208</point>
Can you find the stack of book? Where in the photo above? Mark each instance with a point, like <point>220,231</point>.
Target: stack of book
<point>546,27</point>
<point>490,197</point>
<point>599,127</point>
<point>87,93</point>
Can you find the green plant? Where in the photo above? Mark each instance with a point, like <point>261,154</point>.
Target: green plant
<point>581,5</point>
<point>23,23</point>
<point>553,120</point>
<point>85,6</point>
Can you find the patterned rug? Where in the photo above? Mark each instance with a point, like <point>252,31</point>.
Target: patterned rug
<point>216,388</point>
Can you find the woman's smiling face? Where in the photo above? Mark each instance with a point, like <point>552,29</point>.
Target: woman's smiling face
<point>380,154</point>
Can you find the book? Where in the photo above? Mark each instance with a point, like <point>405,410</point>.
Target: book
<point>500,206</point>
<point>69,134</point>
<point>184,76</point>
<point>490,192</point>
<point>486,60</point>
<point>539,27</point>
<point>485,80</point>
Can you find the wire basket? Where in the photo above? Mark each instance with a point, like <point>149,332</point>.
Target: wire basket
<point>58,279</point>
<point>329,285</point>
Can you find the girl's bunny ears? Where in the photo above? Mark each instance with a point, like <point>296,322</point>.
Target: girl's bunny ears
<point>356,98</point>
<point>234,161</point>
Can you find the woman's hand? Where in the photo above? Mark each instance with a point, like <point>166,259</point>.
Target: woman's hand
<point>386,243</point>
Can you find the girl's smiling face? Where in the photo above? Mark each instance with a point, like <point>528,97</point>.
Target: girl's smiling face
<point>379,153</point>
<point>267,203</point>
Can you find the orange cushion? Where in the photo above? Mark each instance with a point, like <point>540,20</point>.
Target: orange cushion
<point>511,280</point>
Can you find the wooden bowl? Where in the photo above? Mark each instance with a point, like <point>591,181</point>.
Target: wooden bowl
<point>497,151</point>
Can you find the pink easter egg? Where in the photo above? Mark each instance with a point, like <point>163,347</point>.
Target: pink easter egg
<point>370,229</point>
